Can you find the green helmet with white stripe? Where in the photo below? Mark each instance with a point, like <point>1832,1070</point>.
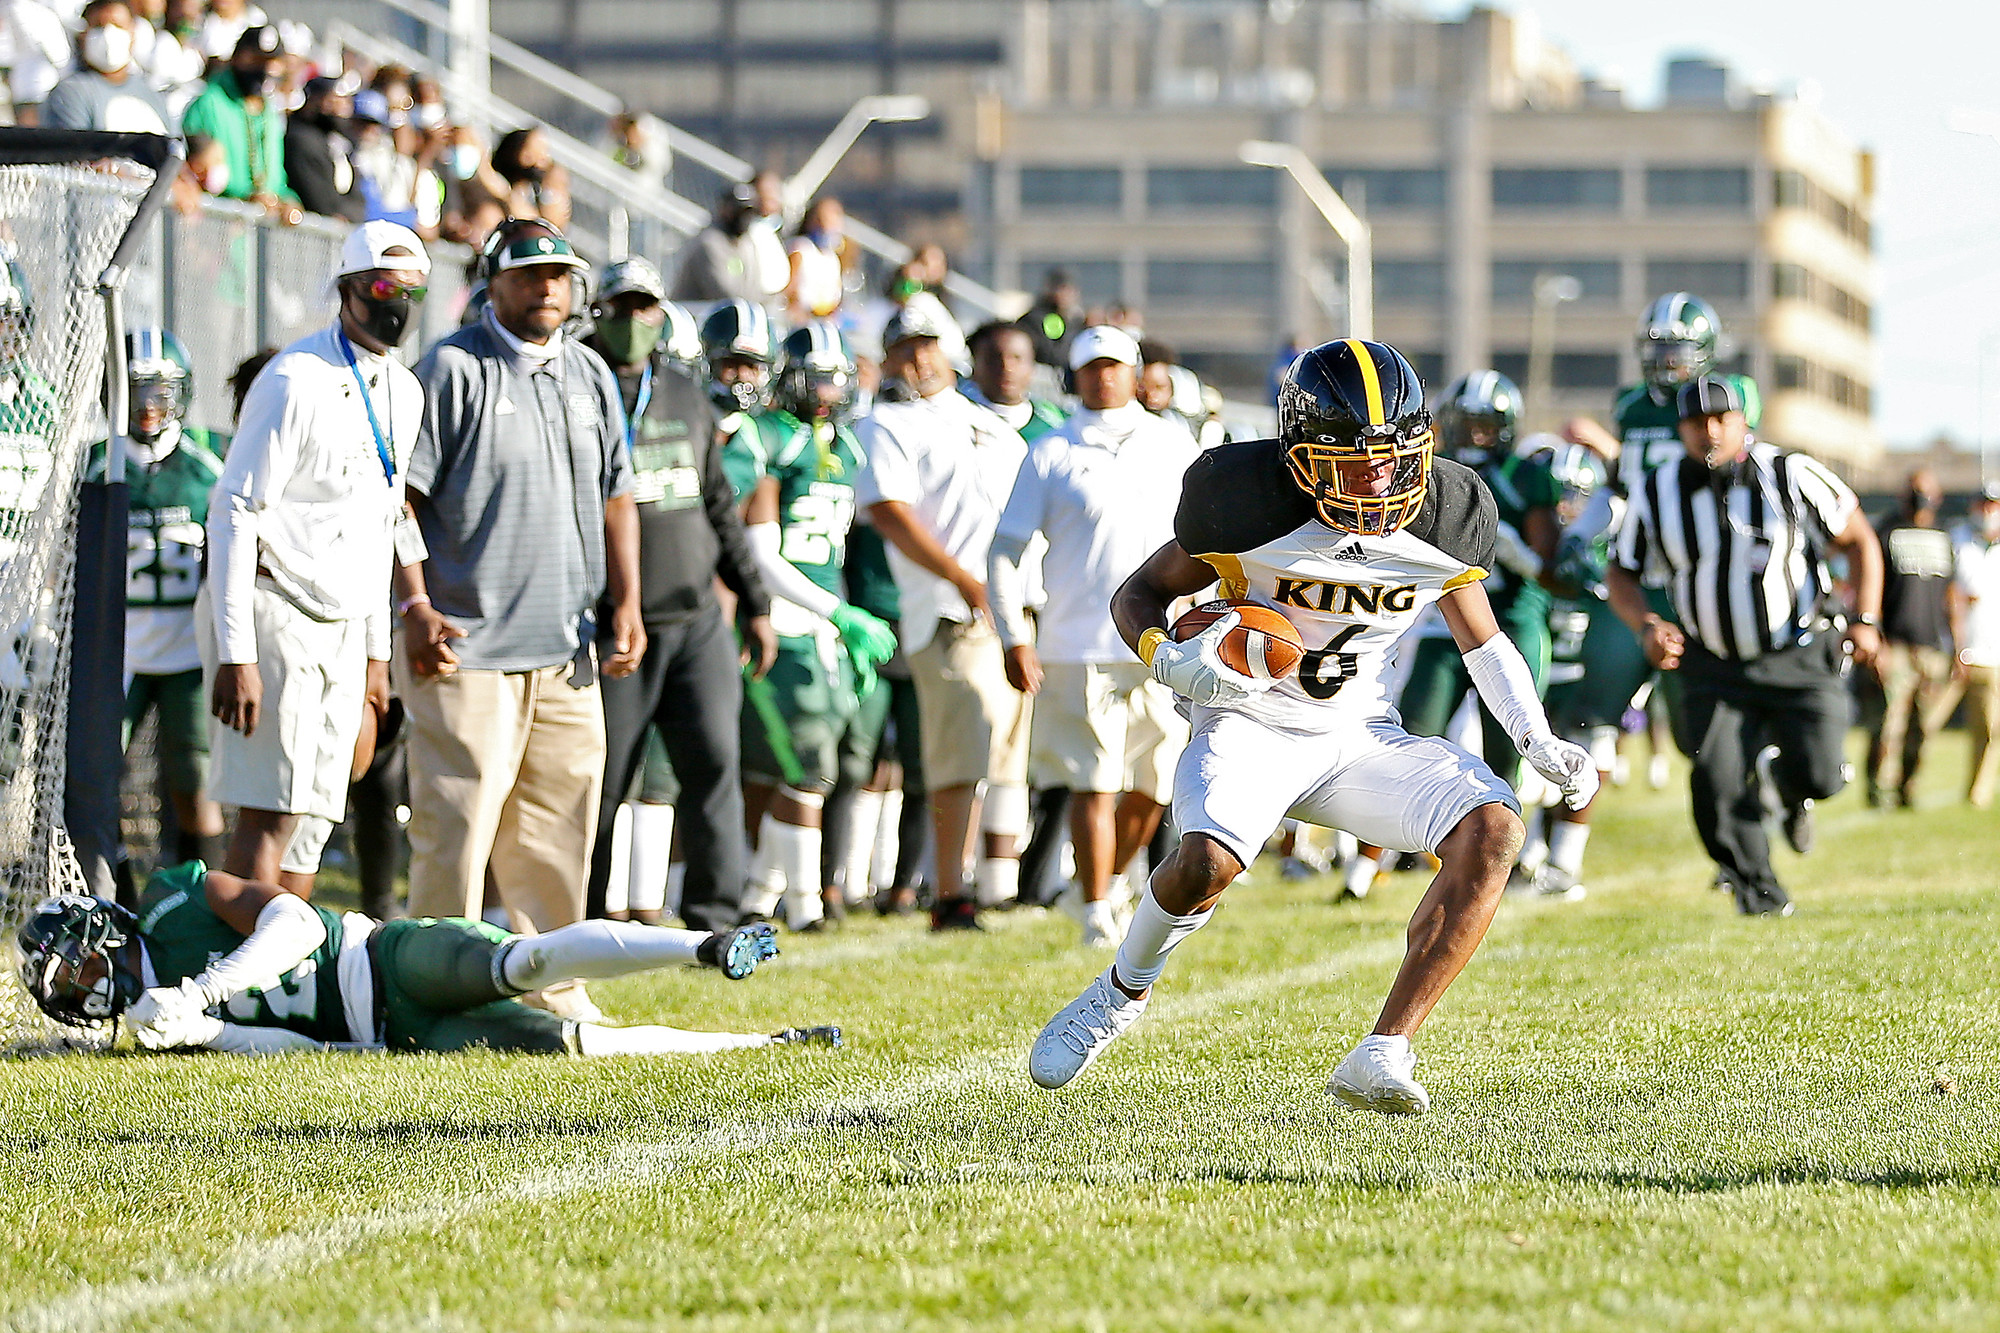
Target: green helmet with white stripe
<point>815,373</point>
<point>1487,399</point>
<point>739,332</point>
<point>160,378</point>
<point>1677,340</point>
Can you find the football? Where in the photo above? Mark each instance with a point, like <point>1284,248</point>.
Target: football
<point>1264,646</point>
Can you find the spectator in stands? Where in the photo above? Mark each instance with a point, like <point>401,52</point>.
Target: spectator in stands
<point>107,90</point>
<point>163,35</point>
<point>638,143</point>
<point>905,291</point>
<point>1102,488</point>
<point>385,178</point>
<point>40,53</point>
<point>690,533</point>
<point>428,112</point>
<point>475,198</point>
<point>1915,664</point>
<point>319,157</point>
<point>537,184</point>
<point>224,26</point>
<point>767,243</point>
<point>818,280</point>
<point>1976,630</point>
<point>299,554</point>
<point>207,167</point>
<point>521,482</point>
<point>939,470</point>
<point>1054,318</point>
<point>723,262</point>
<point>239,111</point>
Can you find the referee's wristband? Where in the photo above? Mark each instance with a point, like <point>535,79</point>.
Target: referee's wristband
<point>1149,643</point>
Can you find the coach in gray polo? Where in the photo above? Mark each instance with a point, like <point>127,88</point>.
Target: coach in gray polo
<point>521,484</point>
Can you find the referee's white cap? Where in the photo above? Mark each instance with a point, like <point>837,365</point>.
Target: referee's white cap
<point>1103,342</point>
<point>373,245</point>
<point>1709,396</point>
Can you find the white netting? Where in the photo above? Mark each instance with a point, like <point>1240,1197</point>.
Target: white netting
<point>58,228</point>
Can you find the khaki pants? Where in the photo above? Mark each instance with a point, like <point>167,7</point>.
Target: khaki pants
<point>1982,719</point>
<point>975,725</point>
<point>1106,727</point>
<point>506,768</point>
<point>1915,678</point>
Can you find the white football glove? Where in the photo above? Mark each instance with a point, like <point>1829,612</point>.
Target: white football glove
<point>1567,765</point>
<point>169,1016</point>
<point>1195,670</point>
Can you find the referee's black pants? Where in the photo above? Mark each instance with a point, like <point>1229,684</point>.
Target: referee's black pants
<point>690,682</point>
<point>1796,700</point>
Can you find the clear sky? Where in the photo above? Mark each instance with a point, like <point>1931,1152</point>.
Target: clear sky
<point>1890,76</point>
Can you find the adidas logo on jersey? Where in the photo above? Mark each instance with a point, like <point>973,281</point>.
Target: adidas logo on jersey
<point>1342,599</point>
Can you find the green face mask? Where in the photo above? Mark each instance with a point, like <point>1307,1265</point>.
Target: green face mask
<point>627,340</point>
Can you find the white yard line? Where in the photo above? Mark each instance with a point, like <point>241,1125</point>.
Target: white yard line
<point>257,1262</point>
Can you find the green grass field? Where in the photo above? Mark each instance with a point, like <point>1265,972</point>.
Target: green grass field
<point>1647,1113</point>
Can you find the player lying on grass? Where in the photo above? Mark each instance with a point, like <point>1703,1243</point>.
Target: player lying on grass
<point>229,964</point>
<point>1347,527</point>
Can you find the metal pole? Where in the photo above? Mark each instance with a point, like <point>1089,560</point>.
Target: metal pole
<point>1551,290</point>
<point>798,191</point>
<point>1353,232</point>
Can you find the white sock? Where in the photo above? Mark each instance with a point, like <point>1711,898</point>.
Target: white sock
<point>676,876</point>
<point>1566,843</point>
<point>999,880</point>
<point>797,853</point>
<point>1153,934</point>
<point>594,949</point>
<point>615,884</point>
<point>888,843</point>
<point>866,813</point>
<point>1345,845</point>
<point>596,1039</point>
<point>1361,872</point>
<point>652,844</point>
<point>767,874</point>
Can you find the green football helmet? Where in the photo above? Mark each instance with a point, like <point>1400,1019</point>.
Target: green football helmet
<point>70,959</point>
<point>1677,340</point>
<point>739,333</point>
<point>160,378</point>
<point>17,313</point>
<point>1487,399</point>
<point>815,374</point>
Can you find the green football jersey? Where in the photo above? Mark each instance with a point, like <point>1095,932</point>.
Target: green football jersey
<point>871,584</point>
<point>816,470</point>
<point>1520,486</point>
<point>182,936</point>
<point>1042,418</point>
<point>748,442</point>
<point>1648,429</point>
<point>164,531</point>
<point>30,414</point>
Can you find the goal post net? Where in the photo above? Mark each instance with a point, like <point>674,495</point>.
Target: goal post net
<point>73,209</point>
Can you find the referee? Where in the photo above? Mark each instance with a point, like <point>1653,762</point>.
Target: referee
<point>1742,530</point>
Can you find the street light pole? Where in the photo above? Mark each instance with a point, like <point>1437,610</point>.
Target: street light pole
<point>1353,232</point>
<point>1551,290</point>
<point>798,191</point>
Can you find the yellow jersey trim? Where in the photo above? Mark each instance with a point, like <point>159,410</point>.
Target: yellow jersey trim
<point>1229,569</point>
<point>1149,643</point>
<point>1370,380</point>
<point>1472,575</point>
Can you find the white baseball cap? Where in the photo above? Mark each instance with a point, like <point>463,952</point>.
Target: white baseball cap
<point>1103,342</point>
<point>367,247</point>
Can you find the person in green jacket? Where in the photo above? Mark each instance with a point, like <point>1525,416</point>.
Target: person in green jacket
<point>240,110</point>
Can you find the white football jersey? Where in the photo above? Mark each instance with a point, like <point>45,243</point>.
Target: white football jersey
<point>1351,597</point>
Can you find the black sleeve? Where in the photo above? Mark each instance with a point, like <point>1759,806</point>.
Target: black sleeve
<point>1459,516</point>
<point>733,561</point>
<point>1236,497</point>
<point>309,171</point>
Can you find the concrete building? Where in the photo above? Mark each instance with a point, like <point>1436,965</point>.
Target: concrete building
<point>1103,135</point>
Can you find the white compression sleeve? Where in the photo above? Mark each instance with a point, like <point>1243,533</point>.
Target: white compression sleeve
<point>1003,589</point>
<point>652,846</point>
<point>1154,933</point>
<point>618,883</point>
<point>595,1039</point>
<point>287,932</point>
<point>593,949</point>
<point>782,577</point>
<point>1507,688</point>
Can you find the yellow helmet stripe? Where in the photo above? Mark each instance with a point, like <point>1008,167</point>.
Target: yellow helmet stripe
<point>1370,380</point>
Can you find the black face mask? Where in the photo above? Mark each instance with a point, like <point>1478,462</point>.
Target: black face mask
<point>385,321</point>
<point>254,82</point>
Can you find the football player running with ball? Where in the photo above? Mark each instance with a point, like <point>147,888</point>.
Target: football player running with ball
<point>1349,528</point>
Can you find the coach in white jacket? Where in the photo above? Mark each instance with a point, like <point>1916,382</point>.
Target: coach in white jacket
<point>302,533</point>
<point>1102,488</point>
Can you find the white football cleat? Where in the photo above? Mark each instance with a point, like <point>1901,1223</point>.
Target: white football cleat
<point>1081,1031</point>
<point>1379,1075</point>
<point>1101,927</point>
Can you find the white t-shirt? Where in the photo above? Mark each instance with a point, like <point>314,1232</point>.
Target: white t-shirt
<point>820,288</point>
<point>1103,489</point>
<point>1979,579</point>
<point>304,495</point>
<point>953,463</point>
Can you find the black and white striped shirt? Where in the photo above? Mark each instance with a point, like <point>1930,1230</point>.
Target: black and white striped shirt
<point>1743,548</point>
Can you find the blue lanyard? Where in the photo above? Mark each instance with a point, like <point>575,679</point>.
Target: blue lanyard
<point>381,444</point>
<point>638,411</point>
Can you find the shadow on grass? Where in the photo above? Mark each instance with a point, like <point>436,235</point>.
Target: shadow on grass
<point>390,1132</point>
<point>1714,1178</point>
